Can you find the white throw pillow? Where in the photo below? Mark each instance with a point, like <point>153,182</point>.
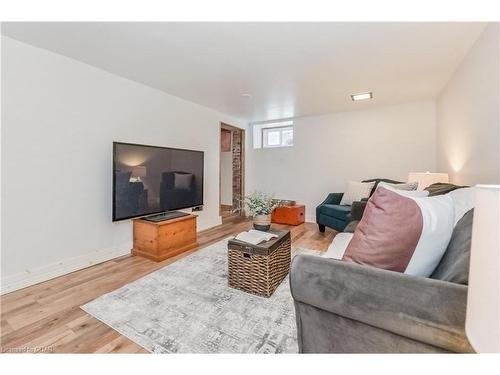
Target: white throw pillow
<point>463,201</point>
<point>356,191</point>
<point>437,230</point>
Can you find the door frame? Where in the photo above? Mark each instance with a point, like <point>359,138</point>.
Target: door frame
<point>241,131</point>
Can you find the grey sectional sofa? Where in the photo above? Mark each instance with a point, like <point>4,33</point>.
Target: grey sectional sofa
<point>344,307</point>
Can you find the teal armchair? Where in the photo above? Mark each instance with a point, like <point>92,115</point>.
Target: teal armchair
<point>330,213</point>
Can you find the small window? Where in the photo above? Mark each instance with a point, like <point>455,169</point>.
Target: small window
<point>271,135</point>
<point>277,137</point>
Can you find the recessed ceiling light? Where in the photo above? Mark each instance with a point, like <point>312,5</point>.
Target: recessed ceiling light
<point>362,96</point>
<point>247,96</point>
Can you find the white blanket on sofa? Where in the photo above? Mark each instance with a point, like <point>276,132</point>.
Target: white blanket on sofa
<point>337,247</point>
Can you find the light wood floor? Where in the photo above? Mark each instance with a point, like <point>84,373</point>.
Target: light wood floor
<point>48,316</point>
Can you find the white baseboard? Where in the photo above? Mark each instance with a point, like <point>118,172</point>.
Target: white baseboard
<point>310,218</point>
<point>43,273</point>
<point>40,274</point>
<point>50,271</point>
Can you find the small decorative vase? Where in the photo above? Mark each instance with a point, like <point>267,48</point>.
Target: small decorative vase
<point>262,222</point>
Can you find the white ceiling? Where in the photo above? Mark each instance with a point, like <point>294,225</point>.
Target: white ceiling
<point>289,69</point>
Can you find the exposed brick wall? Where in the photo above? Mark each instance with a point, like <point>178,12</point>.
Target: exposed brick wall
<point>236,150</point>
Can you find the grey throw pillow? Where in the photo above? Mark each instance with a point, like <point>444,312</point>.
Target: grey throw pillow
<point>351,227</point>
<point>454,265</point>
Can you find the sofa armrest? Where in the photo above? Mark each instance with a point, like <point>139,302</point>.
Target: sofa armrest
<point>426,310</point>
<point>357,210</point>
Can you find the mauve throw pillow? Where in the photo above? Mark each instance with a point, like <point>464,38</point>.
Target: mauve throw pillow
<point>401,233</point>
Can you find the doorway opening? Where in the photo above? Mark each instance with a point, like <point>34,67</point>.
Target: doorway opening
<point>232,171</point>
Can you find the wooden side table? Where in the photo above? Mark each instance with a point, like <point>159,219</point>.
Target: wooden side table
<point>291,215</point>
<point>165,239</point>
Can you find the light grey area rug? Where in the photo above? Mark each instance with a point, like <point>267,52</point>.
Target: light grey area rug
<point>187,307</point>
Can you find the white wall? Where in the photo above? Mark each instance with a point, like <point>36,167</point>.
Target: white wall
<point>226,178</point>
<point>330,150</point>
<point>468,115</point>
<point>59,118</point>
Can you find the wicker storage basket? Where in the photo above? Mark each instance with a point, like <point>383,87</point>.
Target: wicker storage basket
<point>259,269</point>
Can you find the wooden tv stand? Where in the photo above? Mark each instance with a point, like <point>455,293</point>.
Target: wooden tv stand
<point>164,239</point>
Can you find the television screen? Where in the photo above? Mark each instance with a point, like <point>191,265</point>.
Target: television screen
<point>151,179</point>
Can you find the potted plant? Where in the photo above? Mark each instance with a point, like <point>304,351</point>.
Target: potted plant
<point>260,206</point>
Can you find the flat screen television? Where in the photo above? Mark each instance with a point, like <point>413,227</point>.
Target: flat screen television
<point>151,179</point>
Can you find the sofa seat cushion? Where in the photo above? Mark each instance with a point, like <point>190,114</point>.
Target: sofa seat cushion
<point>335,210</point>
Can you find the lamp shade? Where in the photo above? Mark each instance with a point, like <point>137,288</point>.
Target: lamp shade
<point>483,298</point>
<point>425,179</point>
<point>139,171</point>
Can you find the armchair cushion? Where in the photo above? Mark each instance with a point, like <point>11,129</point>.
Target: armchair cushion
<point>425,310</point>
<point>335,210</point>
